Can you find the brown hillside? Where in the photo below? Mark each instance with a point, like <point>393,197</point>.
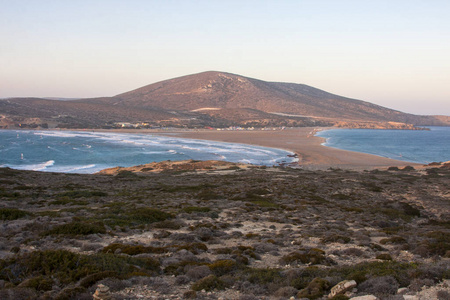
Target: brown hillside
<point>224,90</point>
<point>213,99</point>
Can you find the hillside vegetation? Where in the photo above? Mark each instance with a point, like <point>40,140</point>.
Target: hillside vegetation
<point>230,232</point>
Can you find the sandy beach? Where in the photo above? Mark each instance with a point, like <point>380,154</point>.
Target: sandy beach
<point>311,153</point>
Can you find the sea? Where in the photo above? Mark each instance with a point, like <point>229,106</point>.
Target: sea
<point>419,146</point>
<point>90,152</point>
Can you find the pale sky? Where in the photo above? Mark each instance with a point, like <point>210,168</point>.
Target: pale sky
<point>395,53</point>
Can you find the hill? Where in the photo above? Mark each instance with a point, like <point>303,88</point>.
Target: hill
<point>217,99</point>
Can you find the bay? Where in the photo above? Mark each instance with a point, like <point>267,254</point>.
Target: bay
<point>419,146</point>
<point>89,152</point>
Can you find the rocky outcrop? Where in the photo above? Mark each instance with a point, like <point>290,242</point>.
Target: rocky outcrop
<point>102,293</point>
<point>181,165</point>
<point>342,287</point>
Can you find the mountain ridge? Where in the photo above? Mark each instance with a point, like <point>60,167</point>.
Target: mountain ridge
<point>218,99</point>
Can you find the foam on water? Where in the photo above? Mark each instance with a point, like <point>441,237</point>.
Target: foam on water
<point>33,167</point>
<point>88,152</point>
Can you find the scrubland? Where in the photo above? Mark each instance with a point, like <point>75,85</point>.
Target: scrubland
<point>233,233</point>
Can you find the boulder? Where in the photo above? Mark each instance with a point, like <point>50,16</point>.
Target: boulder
<point>342,287</point>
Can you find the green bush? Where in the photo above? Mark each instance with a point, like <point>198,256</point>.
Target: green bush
<point>77,228</point>
<point>312,256</point>
<point>8,214</point>
<point>192,209</point>
<point>139,249</point>
<point>222,267</point>
<point>436,243</point>
<point>208,283</point>
<point>336,238</point>
<point>315,289</point>
<point>384,256</point>
<point>263,276</point>
<point>39,283</point>
<point>146,215</point>
<point>67,267</point>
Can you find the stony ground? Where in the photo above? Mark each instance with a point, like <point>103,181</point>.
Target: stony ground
<point>232,232</point>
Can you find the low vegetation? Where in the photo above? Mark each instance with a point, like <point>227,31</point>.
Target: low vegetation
<point>255,233</point>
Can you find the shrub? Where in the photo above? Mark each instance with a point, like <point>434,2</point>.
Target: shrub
<point>438,243</point>
<point>352,252</point>
<point>67,267</point>
<point>192,209</point>
<point>39,283</point>
<point>8,214</point>
<point>145,215</point>
<point>208,283</point>
<point>408,168</point>
<point>286,292</point>
<point>312,256</point>
<point>222,267</point>
<point>263,276</point>
<point>372,187</point>
<point>77,228</point>
<point>380,286</point>
<point>93,278</point>
<point>195,248</point>
<point>169,224</point>
<point>190,295</point>
<point>198,272</point>
<point>384,256</point>
<point>336,238</point>
<point>360,272</point>
<point>393,240</point>
<point>443,295</point>
<point>315,289</point>
<point>409,210</point>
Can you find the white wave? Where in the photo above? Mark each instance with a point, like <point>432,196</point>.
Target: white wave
<point>35,167</point>
<point>153,152</point>
<point>59,133</point>
<point>73,169</point>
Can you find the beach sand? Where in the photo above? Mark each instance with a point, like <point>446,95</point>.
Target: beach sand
<point>311,154</point>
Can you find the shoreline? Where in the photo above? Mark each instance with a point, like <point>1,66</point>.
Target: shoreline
<point>302,141</point>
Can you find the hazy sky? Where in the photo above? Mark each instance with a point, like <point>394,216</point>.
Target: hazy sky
<point>395,53</point>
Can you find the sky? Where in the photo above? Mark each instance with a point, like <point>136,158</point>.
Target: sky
<point>394,53</point>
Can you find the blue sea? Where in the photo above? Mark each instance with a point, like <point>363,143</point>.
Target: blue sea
<point>89,152</point>
<point>419,146</point>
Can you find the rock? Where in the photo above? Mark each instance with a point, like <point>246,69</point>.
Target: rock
<point>102,293</point>
<point>342,287</point>
<point>410,297</point>
<point>402,291</point>
<point>365,297</point>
